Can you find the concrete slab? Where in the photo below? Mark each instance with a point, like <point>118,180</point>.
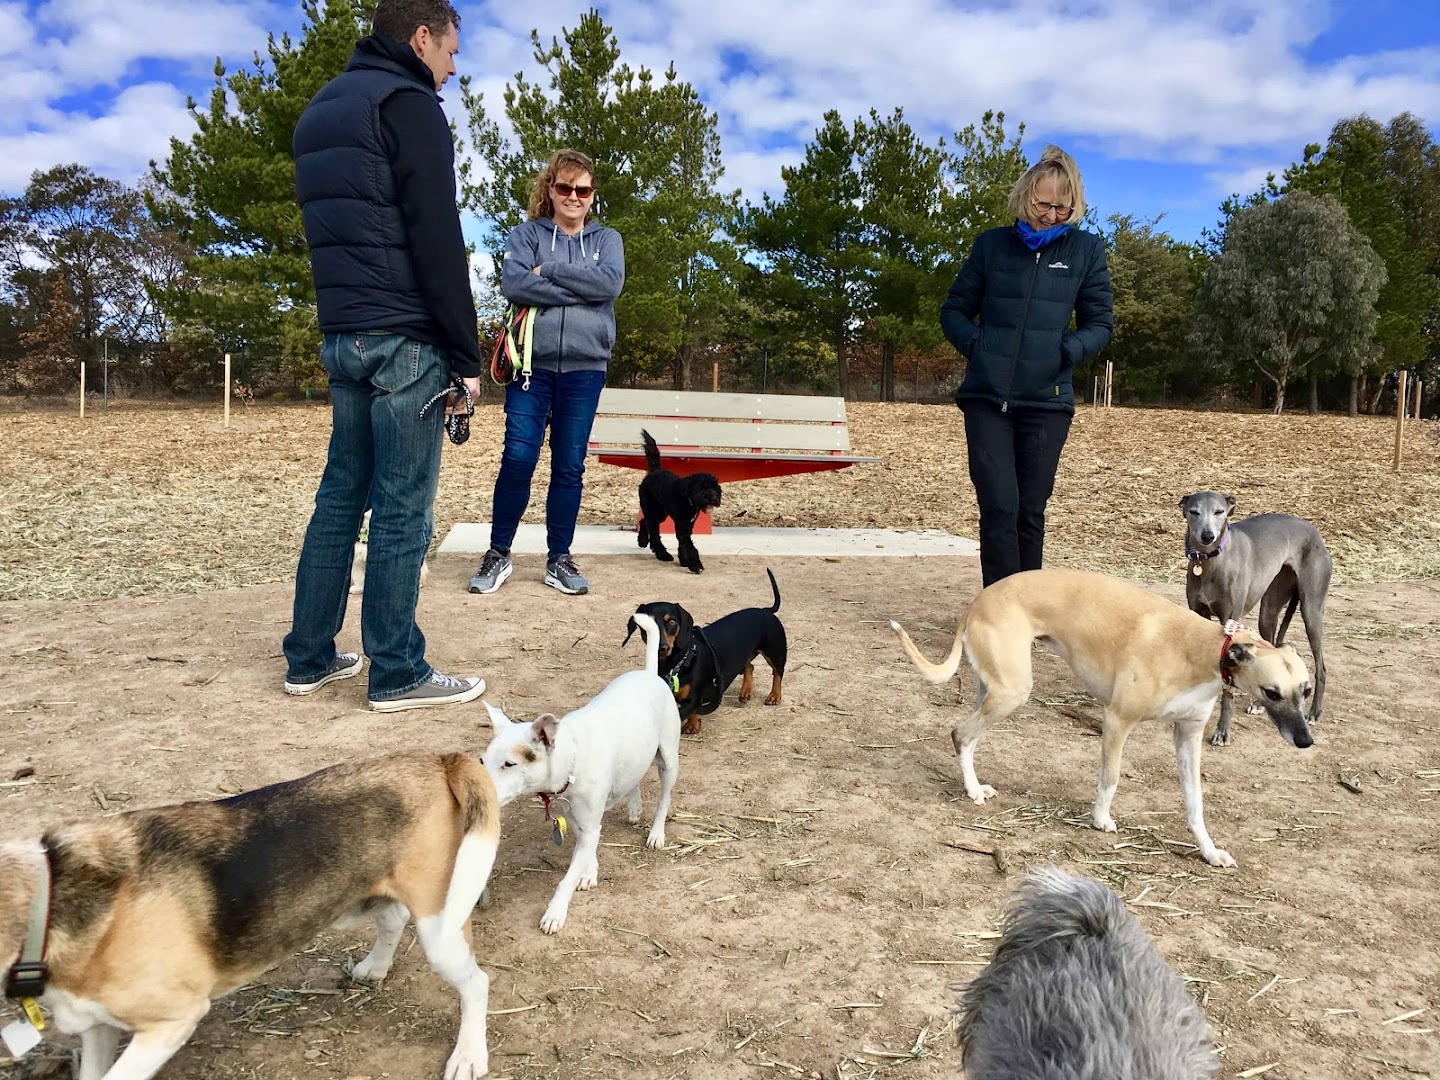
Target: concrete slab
<point>468,538</point>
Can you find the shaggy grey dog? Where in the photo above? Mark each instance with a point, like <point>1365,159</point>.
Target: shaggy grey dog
<point>1077,991</point>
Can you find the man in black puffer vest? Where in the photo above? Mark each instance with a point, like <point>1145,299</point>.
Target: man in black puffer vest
<point>375,175</point>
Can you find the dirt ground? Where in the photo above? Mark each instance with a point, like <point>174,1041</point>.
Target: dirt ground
<point>153,501</point>
<point>809,910</point>
<point>812,907</point>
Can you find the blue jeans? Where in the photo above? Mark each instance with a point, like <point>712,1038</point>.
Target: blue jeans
<point>382,456</point>
<point>567,402</point>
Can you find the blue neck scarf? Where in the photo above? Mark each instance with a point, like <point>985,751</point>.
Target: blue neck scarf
<point>1036,240</point>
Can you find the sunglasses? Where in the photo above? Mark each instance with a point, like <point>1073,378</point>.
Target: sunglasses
<point>583,191</point>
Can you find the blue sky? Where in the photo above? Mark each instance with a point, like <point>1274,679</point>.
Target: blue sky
<point>1167,107</point>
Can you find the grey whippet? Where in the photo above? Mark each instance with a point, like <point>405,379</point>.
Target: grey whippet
<point>1276,560</point>
<point>1142,656</point>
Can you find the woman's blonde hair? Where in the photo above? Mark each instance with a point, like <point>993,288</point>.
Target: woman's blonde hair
<point>562,162</point>
<point>1054,164</point>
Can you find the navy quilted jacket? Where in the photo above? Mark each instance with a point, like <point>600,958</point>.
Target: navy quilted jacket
<point>1008,313</point>
<point>375,176</point>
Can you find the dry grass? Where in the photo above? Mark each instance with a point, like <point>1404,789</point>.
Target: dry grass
<point>162,500</point>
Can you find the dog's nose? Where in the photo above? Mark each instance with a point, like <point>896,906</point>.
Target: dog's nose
<point>1207,537</point>
<point>1303,739</point>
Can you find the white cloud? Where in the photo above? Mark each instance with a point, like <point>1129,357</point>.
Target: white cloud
<point>118,143</point>
<point>95,42</point>
<point>1163,81</point>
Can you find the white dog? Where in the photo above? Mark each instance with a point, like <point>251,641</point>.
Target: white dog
<point>589,760</point>
<point>362,552</point>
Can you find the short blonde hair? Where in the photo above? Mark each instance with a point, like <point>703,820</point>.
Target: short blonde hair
<point>561,161</point>
<point>1054,164</point>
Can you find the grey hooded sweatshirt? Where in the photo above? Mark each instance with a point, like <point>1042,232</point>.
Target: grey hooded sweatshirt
<point>574,293</point>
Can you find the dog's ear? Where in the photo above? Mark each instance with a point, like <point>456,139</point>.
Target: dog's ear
<point>630,628</point>
<point>545,727</point>
<point>498,720</point>
<point>687,624</point>
<point>1237,654</point>
<point>1230,505</point>
<point>1185,501</point>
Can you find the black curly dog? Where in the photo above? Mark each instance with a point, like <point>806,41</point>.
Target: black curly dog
<point>663,495</point>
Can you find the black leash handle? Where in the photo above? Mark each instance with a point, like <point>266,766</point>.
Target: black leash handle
<point>457,425</point>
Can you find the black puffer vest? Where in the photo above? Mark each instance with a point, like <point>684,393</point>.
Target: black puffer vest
<point>359,247</point>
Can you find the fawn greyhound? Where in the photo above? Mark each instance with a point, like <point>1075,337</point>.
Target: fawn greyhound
<point>1138,653</point>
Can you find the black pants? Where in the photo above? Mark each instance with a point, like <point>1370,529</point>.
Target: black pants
<point>1013,458</point>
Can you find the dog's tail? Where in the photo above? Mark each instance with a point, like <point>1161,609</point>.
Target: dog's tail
<point>474,791</point>
<point>1289,614</point>
<point>934,673</point>
<point>775,589</point>
<point>651,633</point>
<point>652,451</point>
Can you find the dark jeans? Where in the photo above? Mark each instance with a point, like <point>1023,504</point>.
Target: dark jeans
<point>1013,458</point>
<point>566,402</point>
<point>382,455</point>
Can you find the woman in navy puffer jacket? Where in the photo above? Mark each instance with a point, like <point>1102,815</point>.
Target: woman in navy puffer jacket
<point>1008,313</point>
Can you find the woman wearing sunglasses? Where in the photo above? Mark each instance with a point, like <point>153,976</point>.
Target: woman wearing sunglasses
<point>1008,313</point>
<point>570,269</point>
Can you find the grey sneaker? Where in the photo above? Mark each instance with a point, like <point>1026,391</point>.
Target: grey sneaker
<point>437,690</point>
<point>562,573</point>
<point>494,569</point>
<point>346,665</point>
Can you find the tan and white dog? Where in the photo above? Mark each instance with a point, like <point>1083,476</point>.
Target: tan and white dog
<point>155,913</point>
<point>1140,655</point>
<point>362,555</point>
<point>589,760</point>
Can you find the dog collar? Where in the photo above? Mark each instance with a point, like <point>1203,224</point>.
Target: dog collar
<point>1231,629</point>
<point>27,976</point>
<point>1196,555</point>
<point>546,796</point>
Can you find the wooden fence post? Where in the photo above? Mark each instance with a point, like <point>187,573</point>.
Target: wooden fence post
<point>1415,412</point>
<point>1400,398</point>
<point>1095,394</point>
<point>715,377</point>
<point>82,389</point>
<point>227,389</point>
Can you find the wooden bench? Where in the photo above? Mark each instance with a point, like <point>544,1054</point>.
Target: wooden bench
<point>734,436</point>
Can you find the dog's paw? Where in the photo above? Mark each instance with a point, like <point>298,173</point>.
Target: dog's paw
<point>589,881</point>
<point>1254,709</point>
<point>1220,738</point>
<point>656,840</point>
<point>664,556</point>
<point>774,699</point>
<point>1218,857</point>
<point>691,726</point>
<point>980,794</point>
<point>1105,824</point>
<point>554,918</point>
<point>467,1064</point>
<point>369,971</point>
